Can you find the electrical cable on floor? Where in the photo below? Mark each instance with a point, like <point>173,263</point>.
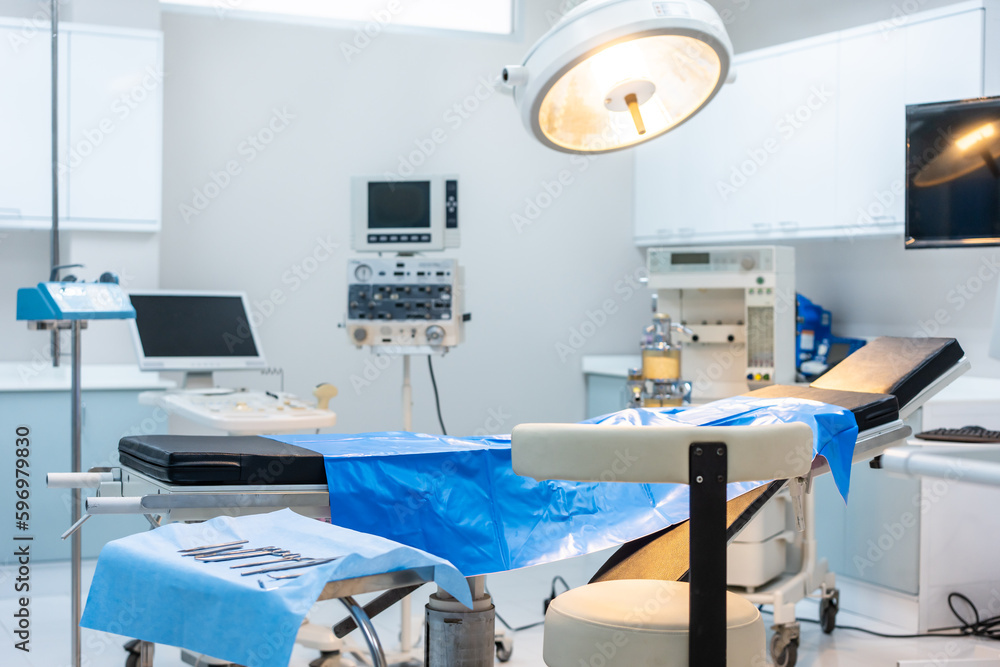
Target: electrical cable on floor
<point>989,628</point>
<point>530,625</point>
<point>437,398</point>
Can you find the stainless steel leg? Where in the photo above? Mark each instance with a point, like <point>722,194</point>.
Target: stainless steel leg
<point>146,654</point>
<point>76,545</point>
<point>365,624</point>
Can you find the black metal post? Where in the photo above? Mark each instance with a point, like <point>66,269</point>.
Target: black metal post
<point>708,466</point>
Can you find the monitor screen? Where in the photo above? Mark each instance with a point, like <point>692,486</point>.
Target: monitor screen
<point>399,205</point>
<point>952,174</point>
<point>191,331</point>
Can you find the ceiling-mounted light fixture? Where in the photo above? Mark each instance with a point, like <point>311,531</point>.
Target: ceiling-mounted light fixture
<point>615,73</point>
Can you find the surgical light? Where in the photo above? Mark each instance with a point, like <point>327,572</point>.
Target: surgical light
<point>615,73</point>
<point>975,136</point>
<point>974,149</point>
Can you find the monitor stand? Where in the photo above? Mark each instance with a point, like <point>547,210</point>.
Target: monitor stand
<point>200,380</point>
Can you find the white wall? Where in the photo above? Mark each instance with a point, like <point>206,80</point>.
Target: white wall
<point>527,288</point>
<point>875,287</point>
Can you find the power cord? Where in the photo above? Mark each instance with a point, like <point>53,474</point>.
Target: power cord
<point>437,398</point>
<point>552,593</point>
<point>545,605</point>
<point>988,628</point>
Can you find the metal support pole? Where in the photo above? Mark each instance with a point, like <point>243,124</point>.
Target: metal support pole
<point>54,252</point>
<point>708,470</point>
<point>406,604</point>
<point>76,545</point>
<point>457,636</point>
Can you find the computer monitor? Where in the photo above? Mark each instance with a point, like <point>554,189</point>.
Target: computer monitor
<point>953,173</point>
<point>194,332</point>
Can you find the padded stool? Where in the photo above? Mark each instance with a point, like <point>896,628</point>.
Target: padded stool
<point>641,623</point>
<point>652,623</point>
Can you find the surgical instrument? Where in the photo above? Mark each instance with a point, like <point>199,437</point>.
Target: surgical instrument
<point>215,552</point>
<point>308,563</point>
<point>283,559</point>
<point>250,554</point>
<point>213,547</point>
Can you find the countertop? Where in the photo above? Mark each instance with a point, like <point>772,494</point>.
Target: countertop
<point>39,376</point>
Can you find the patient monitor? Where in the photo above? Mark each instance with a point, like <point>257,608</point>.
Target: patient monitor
<point>737,307</point>
<point>404,215</point>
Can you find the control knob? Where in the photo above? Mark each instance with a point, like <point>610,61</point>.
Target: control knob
<point>435,335</point>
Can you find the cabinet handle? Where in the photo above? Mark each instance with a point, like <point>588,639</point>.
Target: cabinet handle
<point>762,227</point>
<point>686,231</point>
<point>10,213</point>
<point>664,232</point>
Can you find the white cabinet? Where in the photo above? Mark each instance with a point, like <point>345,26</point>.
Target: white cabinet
<point>25,127</point>
<point>944,58</point>
<point>810,140</point>
<point>113,147</point>
<point>804,189</point>
<point>871,152</point>
<point>695,181</point>
<point>110,130</point>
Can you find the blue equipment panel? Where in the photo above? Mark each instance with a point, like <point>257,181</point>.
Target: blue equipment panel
<point>73,301</point>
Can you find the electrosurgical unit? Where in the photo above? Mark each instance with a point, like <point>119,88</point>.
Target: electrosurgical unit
<point>411,302</point>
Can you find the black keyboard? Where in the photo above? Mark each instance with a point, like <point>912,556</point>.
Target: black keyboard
<point>976,434</point>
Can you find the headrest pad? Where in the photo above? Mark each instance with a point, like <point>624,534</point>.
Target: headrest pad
<point>902,367</point>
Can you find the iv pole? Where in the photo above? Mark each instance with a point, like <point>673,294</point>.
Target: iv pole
<point>76,327</point>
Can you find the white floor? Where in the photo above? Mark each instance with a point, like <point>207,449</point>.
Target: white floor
<point>518,597</point>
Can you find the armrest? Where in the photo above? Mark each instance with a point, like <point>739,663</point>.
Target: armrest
<point>657,454</point>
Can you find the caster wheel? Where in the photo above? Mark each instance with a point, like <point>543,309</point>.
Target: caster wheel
<point>784,654</point>
<point>828,608</point>
<point>505,649</point>
<point>827,616</point>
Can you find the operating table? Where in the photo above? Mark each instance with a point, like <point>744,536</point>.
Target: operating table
<point>192,478</point>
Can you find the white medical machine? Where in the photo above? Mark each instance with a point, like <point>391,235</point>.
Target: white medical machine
<point>737,307</point>
<point>199,333</point>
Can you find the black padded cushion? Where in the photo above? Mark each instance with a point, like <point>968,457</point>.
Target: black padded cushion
<point>221,460</point>
<point>870,410</point>
<point>902,367</point>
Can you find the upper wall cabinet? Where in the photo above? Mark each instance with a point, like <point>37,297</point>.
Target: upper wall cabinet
<point>809,141</point>
<point>110,129</point>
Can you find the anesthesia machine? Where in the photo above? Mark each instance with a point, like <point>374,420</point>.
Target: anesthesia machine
<point>736,310</point>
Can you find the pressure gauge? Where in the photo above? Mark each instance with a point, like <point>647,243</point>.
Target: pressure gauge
<point>363,273</point>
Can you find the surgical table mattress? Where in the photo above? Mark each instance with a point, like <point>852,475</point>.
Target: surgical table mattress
<point>221,460</point>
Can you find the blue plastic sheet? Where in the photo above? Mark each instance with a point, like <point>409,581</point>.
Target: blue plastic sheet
<point>144,589</point>
<point>459,498</point>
